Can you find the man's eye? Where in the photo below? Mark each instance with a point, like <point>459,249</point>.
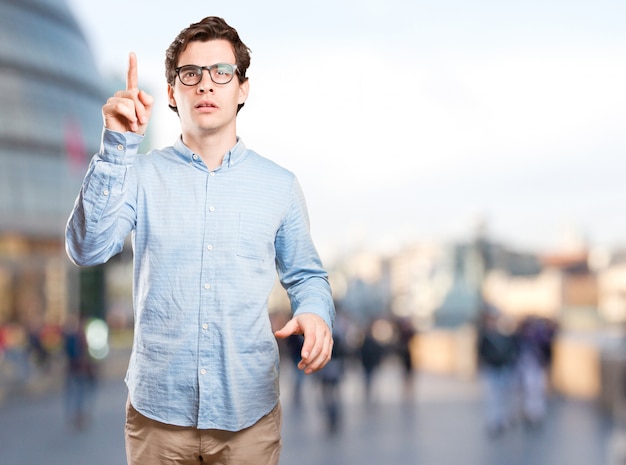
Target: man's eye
<point>224,70</point>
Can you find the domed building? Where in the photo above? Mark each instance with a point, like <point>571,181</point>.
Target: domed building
<point>51,94</point>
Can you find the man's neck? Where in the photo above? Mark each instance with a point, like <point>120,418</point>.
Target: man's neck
<point>210,147</point>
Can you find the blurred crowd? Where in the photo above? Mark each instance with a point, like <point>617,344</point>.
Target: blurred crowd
<point>514,359</point>
<point>28,349</point>
<point>359,346</point>
<point>33,356</point>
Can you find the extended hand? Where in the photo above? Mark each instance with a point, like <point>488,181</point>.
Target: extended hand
<point>318,340</point>
<point>130,109</point>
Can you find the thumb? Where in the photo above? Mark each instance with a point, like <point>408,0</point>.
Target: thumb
<point>146,98</point>
<point>291,327</point>
<point>147,101</point>
<point>143,110</point>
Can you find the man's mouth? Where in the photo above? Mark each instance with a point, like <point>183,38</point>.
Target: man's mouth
<point>206,105</point>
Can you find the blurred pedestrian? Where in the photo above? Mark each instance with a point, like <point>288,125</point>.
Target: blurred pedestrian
<point>16,352</point>
<point>536,336</point>
<point>3,343</point>
<point>80,377</point>
<point>330,378</point>
<point>371,353</point>
<point>212,223</point>
<point>37,350</point>
<point>497,354</point>
<point>406,336</point>
<point>294,349</point>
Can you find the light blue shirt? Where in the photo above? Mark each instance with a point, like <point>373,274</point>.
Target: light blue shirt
<point>207,246</point>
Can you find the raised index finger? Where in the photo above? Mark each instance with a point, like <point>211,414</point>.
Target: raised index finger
<point>131,78</point>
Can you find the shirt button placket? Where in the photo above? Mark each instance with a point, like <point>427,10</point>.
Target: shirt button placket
<point>208,287</point>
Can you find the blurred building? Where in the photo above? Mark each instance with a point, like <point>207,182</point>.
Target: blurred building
<point>563,289</point>
<point>612,291</point>
<point>51,94</point>
<point>448,285</point>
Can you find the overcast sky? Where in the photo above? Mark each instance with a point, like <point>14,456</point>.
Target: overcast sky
<point>414,119</point>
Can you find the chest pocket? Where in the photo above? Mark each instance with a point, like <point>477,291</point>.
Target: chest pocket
<point>255,238</point>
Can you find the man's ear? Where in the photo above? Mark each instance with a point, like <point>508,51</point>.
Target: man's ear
<point>170,96</point>
<point>244,89</point>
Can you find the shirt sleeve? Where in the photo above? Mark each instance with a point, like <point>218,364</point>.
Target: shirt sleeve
<point>104,211</point>
<point>299,267</point>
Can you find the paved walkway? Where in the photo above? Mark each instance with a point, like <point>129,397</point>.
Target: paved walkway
<point>439,424</point>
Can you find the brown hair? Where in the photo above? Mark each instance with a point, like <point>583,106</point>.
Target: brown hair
<point>210,28</point>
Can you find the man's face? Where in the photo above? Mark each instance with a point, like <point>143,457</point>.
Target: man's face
<point>207,107</point>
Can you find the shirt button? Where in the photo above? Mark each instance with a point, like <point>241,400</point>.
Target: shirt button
<point>207,286</point>
<point>120,147</point>
<point>211,209</point>
<point>105,192</point>
<point>203,372</point>
<point>195,157</point>
<point>212,173</point>
<point>209,247</point>
<point>205,326</point>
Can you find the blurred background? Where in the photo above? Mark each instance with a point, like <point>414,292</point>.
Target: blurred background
<point>460,160</point>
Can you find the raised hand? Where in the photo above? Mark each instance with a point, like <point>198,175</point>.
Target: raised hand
<point>129,109</point>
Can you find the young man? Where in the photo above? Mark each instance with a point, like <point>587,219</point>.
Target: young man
<point>211,222</point>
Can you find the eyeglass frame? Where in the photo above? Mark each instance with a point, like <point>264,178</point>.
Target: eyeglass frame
<point>208,68</point>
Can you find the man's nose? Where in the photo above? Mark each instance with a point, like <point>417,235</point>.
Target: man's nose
<point>206,83</point>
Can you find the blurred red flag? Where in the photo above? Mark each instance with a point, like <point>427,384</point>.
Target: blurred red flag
<point>75,149</point>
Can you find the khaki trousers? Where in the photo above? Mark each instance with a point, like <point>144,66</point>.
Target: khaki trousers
<point>154,443</point>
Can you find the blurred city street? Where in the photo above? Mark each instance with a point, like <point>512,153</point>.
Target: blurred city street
<point>441,423</point>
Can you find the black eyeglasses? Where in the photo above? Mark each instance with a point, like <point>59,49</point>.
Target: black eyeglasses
<point>220,73</point>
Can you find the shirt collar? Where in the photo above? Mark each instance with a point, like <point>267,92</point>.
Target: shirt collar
<point>231,158</point>
<point>235,155</point>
